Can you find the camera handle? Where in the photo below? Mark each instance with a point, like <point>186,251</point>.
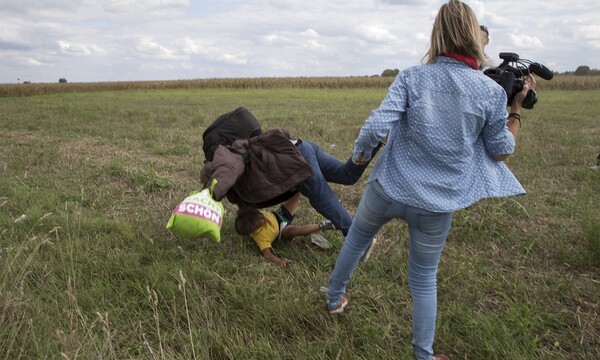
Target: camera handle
<point>530,99</point>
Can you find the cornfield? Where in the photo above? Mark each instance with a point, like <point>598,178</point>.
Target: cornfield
<point>560,82</point>
<point>233,83</point>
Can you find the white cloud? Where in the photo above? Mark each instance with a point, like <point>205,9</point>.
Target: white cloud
<point>148,47</point>
<point>73,49</point>
<point>589,33</point>
<point>233,59</point>
<point>522,41</point>
<point>275,38</point>
<point>33,62</point>
<point>191,46</point>
<point>142,6</point>
<point>313,44</point>
<point>310,33</point>
<point>408,2</point>
<point>375,33</point>
<point>293,40</point>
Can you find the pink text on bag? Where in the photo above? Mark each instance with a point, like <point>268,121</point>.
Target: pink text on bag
<point>194,209</point>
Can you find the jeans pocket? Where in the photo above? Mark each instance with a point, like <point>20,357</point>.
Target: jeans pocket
<point>376,200</point>
<point>434,224</point>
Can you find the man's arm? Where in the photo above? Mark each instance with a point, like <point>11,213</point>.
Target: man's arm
<point>227,167</point>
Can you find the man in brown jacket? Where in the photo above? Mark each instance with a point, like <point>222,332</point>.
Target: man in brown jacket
<point>268,169</point>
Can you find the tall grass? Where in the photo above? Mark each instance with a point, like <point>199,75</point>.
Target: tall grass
<point>87,269</point>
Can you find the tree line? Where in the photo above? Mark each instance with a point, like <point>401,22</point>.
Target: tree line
<point>584,70</point>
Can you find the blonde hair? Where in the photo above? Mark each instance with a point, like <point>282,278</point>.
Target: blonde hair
<point>455,30</point>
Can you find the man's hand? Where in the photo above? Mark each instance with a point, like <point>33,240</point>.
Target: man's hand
<point>360,160</point>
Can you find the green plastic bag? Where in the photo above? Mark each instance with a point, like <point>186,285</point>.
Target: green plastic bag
<point>197,216</point>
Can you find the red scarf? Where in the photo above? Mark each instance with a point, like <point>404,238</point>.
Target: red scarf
<point>471,61</point>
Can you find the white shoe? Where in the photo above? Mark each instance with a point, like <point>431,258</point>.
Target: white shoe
<point>320,241</point>
<point>339,308</point>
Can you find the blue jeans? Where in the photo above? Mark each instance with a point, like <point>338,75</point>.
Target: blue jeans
<point>328,169</point>
<point>427,235</point>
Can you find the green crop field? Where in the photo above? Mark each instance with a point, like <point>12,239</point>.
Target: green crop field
<point>90,173</point>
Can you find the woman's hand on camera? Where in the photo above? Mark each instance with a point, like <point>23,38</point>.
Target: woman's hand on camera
<point>529,83</point>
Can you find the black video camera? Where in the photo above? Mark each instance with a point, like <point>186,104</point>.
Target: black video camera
<point>510,76</point>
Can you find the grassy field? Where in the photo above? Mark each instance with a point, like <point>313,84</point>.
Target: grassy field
<point>87,270</point>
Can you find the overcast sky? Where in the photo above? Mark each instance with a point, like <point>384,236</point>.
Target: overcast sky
<point>125,40</point>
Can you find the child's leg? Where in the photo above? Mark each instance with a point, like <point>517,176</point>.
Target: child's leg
<point>292,231</point>
<point>292,203</point>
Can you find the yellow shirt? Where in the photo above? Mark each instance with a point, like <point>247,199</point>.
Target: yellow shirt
<point>265,235</point>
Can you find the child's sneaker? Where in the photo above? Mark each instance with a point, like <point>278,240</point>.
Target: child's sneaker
<point>339,308</point>
<point>367,253</point>
<point>320,241</point>
<point>439,357</point>
<point>326,225</point>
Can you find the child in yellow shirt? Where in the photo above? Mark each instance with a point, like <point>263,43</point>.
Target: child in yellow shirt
<point>267,226</point>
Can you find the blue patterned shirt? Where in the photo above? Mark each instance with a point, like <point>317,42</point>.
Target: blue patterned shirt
<point>445,121</point>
